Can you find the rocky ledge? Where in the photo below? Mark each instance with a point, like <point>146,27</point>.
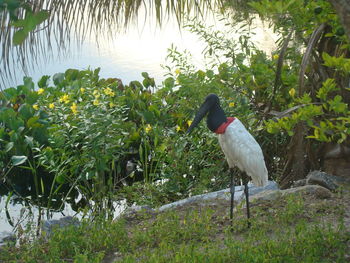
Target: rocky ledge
<point>318,184</point>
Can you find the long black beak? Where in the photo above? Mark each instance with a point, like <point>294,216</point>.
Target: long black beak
<point>203,110</point>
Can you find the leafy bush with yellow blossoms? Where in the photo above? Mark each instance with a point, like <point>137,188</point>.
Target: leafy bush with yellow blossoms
<point>75,135</point>
<point>81,133</point>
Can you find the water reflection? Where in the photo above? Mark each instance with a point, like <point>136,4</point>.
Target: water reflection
<point>139,49</point>
<point>20,214</point>
<point>125,56</point>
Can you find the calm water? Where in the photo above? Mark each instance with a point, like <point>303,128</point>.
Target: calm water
<point>125,57</point>
<point>141,48</point>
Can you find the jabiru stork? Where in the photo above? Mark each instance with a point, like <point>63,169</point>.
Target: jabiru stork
<point>239,146</point>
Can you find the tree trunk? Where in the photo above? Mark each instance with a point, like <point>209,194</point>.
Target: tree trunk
<point>297,164</point>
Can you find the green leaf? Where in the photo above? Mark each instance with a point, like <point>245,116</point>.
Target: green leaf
<point>146,82</point>
<point>145,75</point>
<point>58,78</point>
<point>328,86</point>
<point>60,179</point>
<point>18,160</point>
<point>71,74</point>
<point>147,116</point>
<point>42,83</point>
<point>25,111</point>
<point>29,141</point>
<point>19,37</point>
<point>41,16</point>
<point>15,123</point>
<point>134,136</point>
<point>30,23</point>
<point>9,146</point>
<point>10,93</point>
<point>210,74</point>
<point>136,84</point>
<point>337,105</point>
<point>169,82</point>
<point>19,23</point>
<point>28,85</point>
<point>154,109</point>
<point>33,122</point>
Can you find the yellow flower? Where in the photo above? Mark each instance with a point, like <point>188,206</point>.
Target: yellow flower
<point>82,90</point>
<point>107,91</point>
<point>40,91</point>
<point>148,128</point>
<point>64,98</point>
<point>189,123</point>
<point>96,102</point>
<point>177,71</point>
<point>35,106</point>
<point>74,108</point>
<point>111,104</point>
<point>231,104</point>
<point>275,56</point>
<point>292,92</point>
<point>96,94</point>
<point>178,128</point>
<point>51,106</point>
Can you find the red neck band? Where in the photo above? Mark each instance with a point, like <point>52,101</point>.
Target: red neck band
<point>222,127</point>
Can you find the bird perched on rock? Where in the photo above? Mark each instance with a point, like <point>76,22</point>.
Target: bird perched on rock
<point>239,146</point>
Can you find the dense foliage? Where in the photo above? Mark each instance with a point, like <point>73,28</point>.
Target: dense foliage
<point>79,134</point>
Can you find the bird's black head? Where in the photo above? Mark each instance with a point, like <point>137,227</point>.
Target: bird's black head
<point>212,98</point>
<point>216,115</point>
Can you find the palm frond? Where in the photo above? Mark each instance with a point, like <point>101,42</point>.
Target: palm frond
<point>76,19</point>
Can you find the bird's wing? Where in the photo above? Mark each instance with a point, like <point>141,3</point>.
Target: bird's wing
<point>242,150</point>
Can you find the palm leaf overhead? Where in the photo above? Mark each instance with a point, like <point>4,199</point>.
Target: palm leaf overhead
<point>79,18</point>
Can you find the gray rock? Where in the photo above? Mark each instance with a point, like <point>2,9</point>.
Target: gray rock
<point>322,179</point>
<point>49,226</point>
<point>220,195</point>
<point>340,180</point>
<point>269,195</point>
<point>213,197</point>
<point>298,183</point>
<point>271,185</point>
<point>314,190</point>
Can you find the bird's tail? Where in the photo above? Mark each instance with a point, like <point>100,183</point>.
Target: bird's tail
<point>260,180</point>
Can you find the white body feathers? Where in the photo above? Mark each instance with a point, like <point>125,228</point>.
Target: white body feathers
<point>242,150</point>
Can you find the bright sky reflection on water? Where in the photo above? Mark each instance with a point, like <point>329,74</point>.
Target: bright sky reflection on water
<point>142,47</point>
<point>125,56</point>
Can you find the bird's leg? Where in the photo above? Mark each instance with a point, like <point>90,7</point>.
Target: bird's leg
<point>246,192</point>
<point>232,186</point>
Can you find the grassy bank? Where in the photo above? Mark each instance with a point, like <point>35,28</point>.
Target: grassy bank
<point>290,229</point>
